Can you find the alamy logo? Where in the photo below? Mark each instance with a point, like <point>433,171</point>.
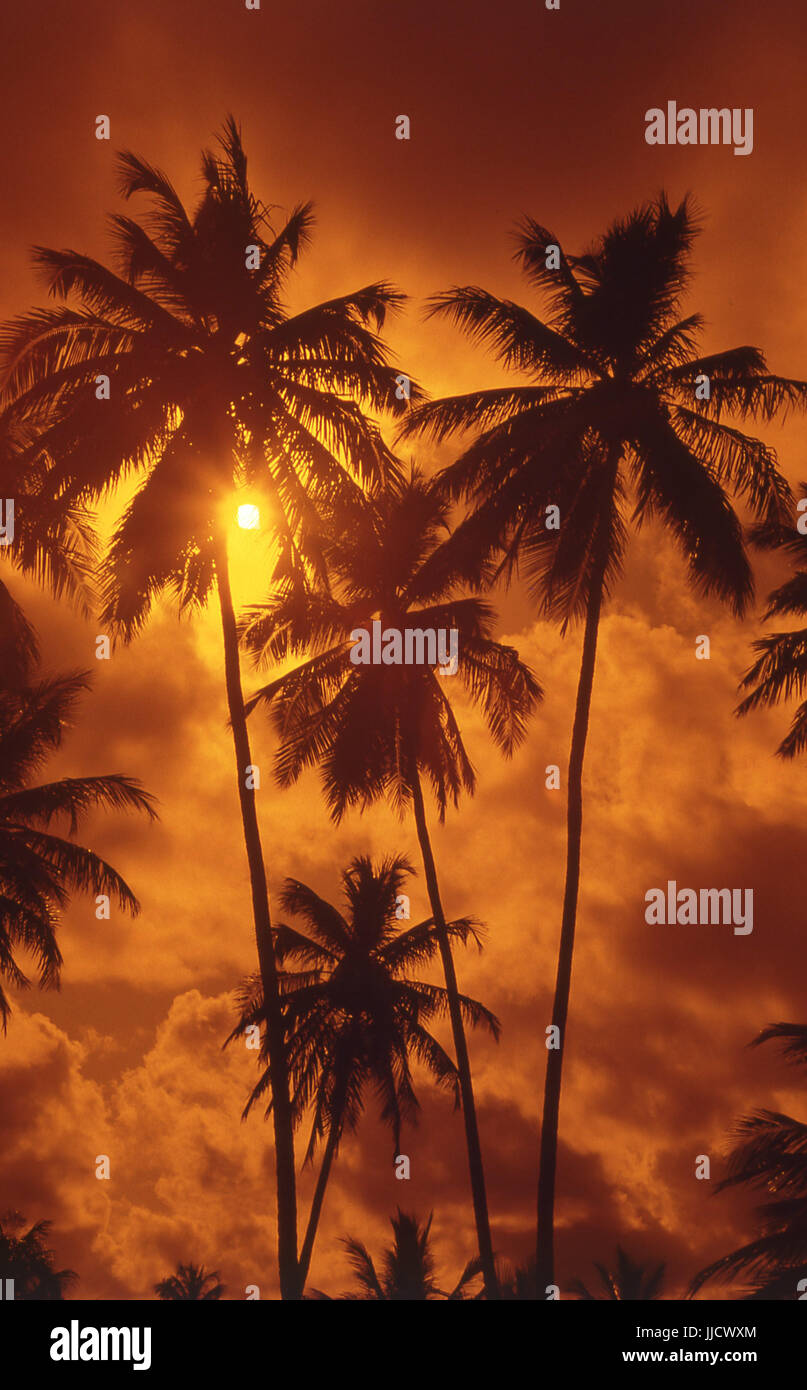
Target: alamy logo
<point>710,907</point>
<point>412,646</point>
<point>708,126</point>
<point>102,1344</point>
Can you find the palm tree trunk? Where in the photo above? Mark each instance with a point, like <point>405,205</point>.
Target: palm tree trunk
<point>475,1165</point>
<point>545,1249</point>
<point>316,1205</point>
<point>278,1069</point>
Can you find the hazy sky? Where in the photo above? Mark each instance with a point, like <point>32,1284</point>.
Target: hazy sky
<point>514,109</point>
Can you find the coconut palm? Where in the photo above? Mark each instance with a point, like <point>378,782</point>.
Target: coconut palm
<point>770,1153</point>
<point>618,418</point>
<point>185,367</point>
<point>408,1267</point>
<point>354,1015</point>
<point>38,869</point>
<point>378,730</point>
<point>191,1283</point>
<point>780,671</point>
<point>628,1279</point>
<point>27,1260</point>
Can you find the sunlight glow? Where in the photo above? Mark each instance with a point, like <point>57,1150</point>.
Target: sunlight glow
<point>249,517</point>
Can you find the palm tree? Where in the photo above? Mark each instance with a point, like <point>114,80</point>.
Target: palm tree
<point>25,1258</point>
<point>770,1153</point>
<point>628,1280</point>
<point>408,1267</point>
<point>617,411</point>
<point>209,382</point>
<point>53,541</point>
<point>780,670</point>
<point>39,870</point>
<point>354,1015</point>
<point>375,730</point>
<point>190,1283</point>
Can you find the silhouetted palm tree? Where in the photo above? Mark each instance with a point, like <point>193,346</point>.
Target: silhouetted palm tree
<point>611,418</point>
<point>354,1015</point>
<point>626,1280</point>
<point>781,669</point>
<point>211,383</point>
<point>25,1258</point>
<point>771,1153</point>
<point>408,1267</point>
<point>375,730</point>
<point>39,870</point>
<point>53,541</point>
<point>190,1283</point>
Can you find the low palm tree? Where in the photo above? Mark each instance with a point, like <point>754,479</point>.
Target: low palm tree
<point>626,1280</point>
<point>780,671</point>
<point>408,1265</point>
<point>26,1259</point>
<point>190,1283</point>
<point>770,1154</point>
<point>354,1014</point>
<point>618,419</point>
<point>379,730</point>
<point>38,869</point>
<point>207,382</point>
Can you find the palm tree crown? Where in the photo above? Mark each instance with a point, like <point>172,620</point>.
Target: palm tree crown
<point>628,1279</point>
<point>190,1283</point>
<point>354,1014</point>
<point>371,727</point>
<point>39,870</point>
<point>26,1258</point>
<point>407,1273</point>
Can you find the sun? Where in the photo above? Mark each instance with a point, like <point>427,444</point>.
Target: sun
<point>249,517</point>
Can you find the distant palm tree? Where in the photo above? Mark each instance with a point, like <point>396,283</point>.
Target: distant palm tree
<point>770,1153</point>
<point>211,383</point>
<point>780,672</point>
<point>619,413</point>
<point>27,1260</point>
<point>39,870</point>
<point>375,730</point>
<point>627,1280</point>
<point>354,1015</point>
<point>191,1282</point>
<point>408,1267</point>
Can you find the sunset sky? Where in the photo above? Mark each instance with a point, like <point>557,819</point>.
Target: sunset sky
<point>514,110</point>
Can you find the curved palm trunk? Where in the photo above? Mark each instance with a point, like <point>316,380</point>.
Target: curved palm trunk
<point>545,1249</point>
<point>316,1206</point>
<point>281,1106</point>
<point>475,1165</point>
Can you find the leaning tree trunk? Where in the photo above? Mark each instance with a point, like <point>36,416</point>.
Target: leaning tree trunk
<point>545,1248</point>
<point>278,1069</point>
<point>317,1200</point>
<point>475,1165</point>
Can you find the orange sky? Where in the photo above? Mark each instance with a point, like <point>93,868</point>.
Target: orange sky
<point>514,110</point>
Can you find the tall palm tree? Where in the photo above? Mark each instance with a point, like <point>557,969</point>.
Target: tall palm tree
<point>190,1283</point>
<point>376,730</point>
<point>38,869</point>
<point>770,1153</point>
<point>628,1279</point>
<point>354,1014</point>
<point>408,1267</point>
<point>611,423</point>
<point>780,671</point>
<point>26,1258</point>
<point>211,382</point>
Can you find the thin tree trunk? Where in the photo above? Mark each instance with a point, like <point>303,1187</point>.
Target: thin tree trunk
<point>545,1247</point>
<point>475,1166</point>
<point>278,1070</point>
<point>316,1206</point>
